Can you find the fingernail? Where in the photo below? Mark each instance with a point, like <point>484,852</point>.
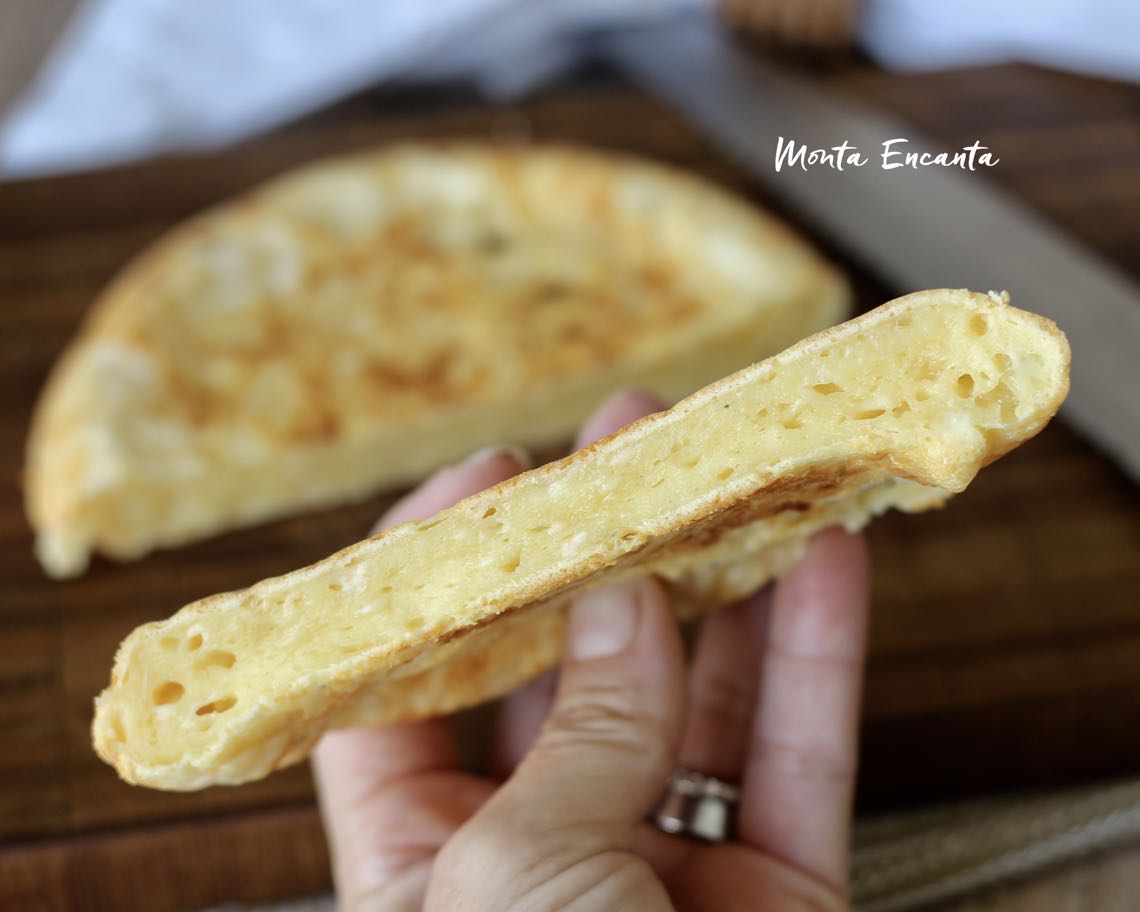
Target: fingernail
<point>516,453</point>
<point>603,621</point>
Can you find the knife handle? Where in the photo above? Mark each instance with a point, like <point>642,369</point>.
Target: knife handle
<point>823,24</point>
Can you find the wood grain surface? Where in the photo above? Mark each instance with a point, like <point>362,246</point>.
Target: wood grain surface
<point>1006,635</point>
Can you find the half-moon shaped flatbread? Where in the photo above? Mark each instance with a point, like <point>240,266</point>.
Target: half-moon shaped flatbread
<point>898,408</point>
<point>361,322</point>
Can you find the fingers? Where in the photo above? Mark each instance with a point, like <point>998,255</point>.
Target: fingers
<point>522,713</point>
<point>800,772</point>
<point>560,827</point>
<point>723,683</point>
<point>805,640</point>
<point>355,767</point>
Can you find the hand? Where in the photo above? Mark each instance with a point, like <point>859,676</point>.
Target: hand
<point>771,701</point>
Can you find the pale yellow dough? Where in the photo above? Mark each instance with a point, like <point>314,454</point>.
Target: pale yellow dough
<point>900,407</point>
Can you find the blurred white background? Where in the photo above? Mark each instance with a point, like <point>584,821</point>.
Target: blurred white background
<point>125,79</point>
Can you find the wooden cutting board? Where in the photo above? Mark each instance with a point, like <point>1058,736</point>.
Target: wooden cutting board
<point>1006,636</point>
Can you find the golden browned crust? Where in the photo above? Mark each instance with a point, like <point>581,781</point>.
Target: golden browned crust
<point>898,408</point>
<point>362,321</point>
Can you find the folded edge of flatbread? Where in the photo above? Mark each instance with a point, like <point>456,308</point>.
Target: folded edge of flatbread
<point>898,408</point>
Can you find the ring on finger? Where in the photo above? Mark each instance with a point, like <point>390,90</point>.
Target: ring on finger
<point>698,807</point>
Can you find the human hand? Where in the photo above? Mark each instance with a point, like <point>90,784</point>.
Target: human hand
<point>771,701</point>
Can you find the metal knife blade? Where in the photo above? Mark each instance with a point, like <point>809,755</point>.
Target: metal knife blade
<point>919,228</point>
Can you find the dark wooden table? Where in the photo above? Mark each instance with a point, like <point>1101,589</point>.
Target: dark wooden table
<point>1006,634</point>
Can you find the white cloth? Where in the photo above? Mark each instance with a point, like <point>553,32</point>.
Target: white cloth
<point>131,78</point>
<point>1100,37</point>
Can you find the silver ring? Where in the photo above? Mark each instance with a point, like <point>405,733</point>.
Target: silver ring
<point>698,807</point>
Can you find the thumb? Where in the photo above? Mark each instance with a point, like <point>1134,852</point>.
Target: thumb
<point>613,732</point>
<point>600,762</point>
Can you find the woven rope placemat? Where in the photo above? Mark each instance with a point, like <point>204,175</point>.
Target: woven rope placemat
<point>915,858</point>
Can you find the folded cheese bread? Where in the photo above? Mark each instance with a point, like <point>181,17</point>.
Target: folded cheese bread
<point>356,324</point>
<point>900,407</point>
